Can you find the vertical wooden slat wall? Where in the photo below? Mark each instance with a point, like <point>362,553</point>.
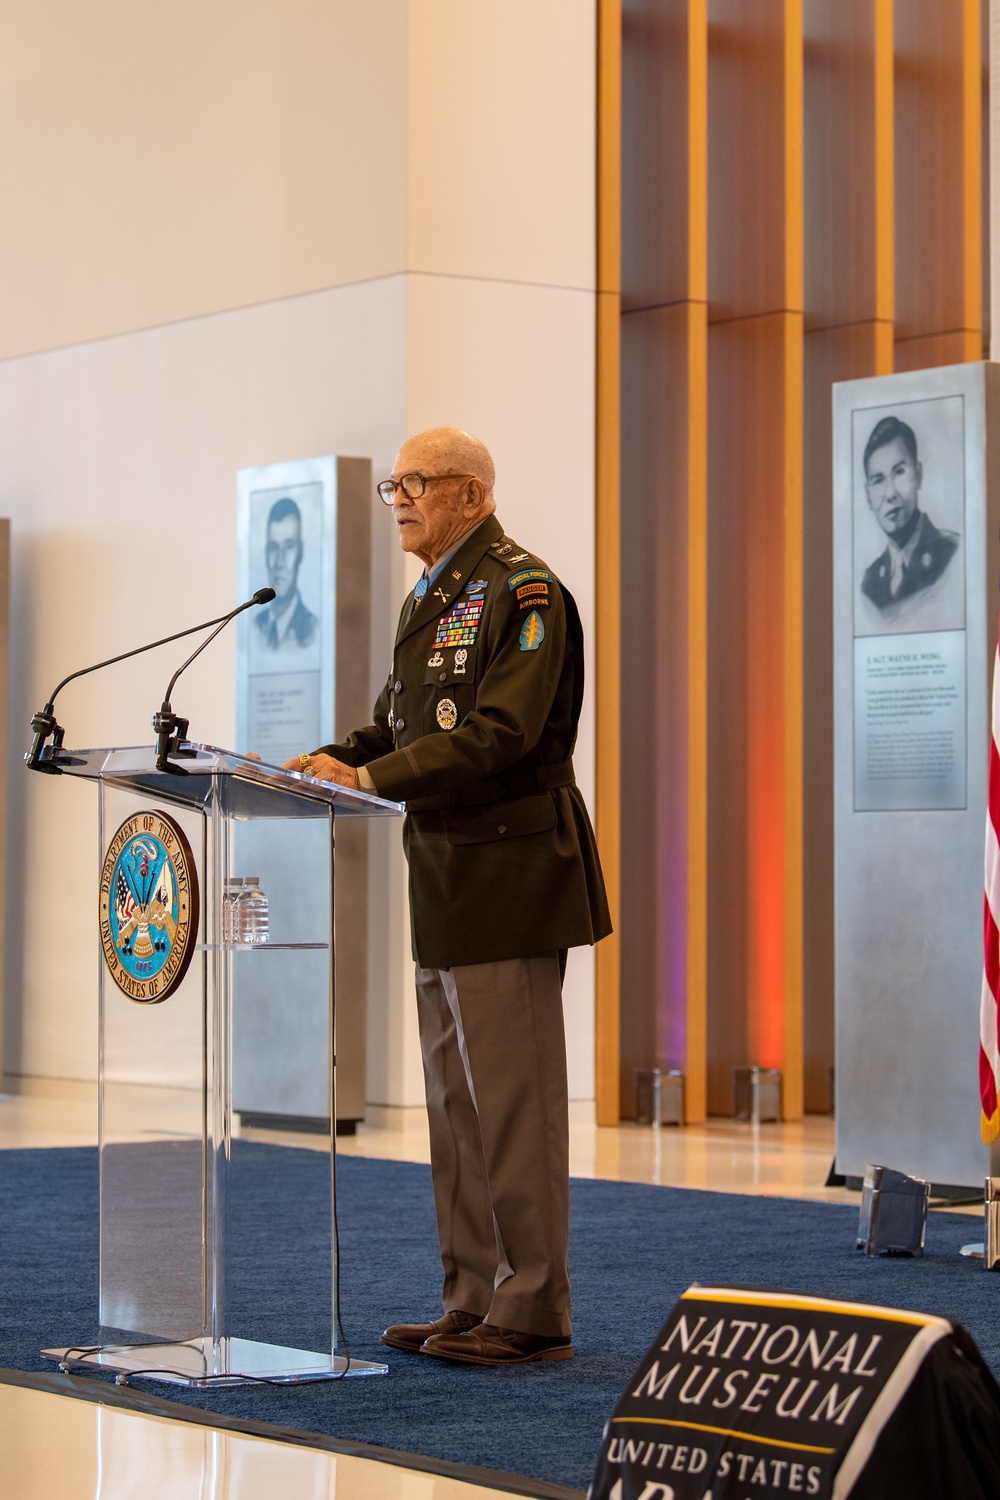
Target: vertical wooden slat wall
<point>800,203</point>
<point>664,543</point>
<point>608,543</point>
<point>848,334</point>
<point>938,183</point>
<point>755,586</point>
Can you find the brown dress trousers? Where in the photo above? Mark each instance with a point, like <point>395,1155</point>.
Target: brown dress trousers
<point>494,1052</point>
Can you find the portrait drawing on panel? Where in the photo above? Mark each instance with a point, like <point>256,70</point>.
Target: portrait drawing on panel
<point>909,517</point>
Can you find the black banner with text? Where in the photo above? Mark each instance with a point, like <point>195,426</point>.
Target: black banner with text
<point>763,1394</point>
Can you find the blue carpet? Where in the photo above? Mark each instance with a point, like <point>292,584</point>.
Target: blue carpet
<point>633,1250</point>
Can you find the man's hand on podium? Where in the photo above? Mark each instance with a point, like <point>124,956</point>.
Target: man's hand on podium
<point>322,768</point>
<point>325,768</point>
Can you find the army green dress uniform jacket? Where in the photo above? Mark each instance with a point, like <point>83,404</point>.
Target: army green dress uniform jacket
<point>474,731</point>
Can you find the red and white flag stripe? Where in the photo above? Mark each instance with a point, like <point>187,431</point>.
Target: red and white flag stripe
<point>989,1060</point>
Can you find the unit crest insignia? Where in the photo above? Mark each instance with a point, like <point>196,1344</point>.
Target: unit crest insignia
<point>446,714</point>
<point>148,907</point>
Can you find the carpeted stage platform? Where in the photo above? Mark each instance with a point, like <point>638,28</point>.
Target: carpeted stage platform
<point>633,1250</point>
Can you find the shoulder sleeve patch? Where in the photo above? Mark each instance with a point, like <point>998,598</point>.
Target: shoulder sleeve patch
<point>532,632</point>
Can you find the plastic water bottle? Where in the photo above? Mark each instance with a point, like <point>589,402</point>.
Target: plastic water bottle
<point>233,887</point>
<point>251,913</point>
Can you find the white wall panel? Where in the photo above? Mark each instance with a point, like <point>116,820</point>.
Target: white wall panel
<point>290,161</point>
<point>119,474</point>
<point>162,161</point>
<point>501,139</point>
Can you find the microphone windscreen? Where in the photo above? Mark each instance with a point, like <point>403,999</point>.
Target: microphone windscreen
<point>264,596</point>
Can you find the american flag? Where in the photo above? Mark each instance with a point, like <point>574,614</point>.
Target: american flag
<point>124,904</point>
<point>989,1061</point>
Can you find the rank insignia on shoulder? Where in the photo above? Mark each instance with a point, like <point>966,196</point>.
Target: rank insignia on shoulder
<point>520,557</point>
<point>532,632</point>
<point>446,714</point>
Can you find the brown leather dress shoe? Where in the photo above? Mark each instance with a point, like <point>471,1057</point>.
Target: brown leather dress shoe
<point>411,1336</point>
<point>489,1345</point>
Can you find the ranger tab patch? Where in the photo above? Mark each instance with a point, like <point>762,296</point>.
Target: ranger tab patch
<point>532,632</point>
<point>531,587</point>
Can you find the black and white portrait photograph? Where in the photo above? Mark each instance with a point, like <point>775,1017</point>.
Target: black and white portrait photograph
<point>909,517</point>
<point>285,541</point>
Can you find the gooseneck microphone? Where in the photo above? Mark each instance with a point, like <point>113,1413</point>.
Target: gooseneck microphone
<point>44,721</point>
<point>170,729</point>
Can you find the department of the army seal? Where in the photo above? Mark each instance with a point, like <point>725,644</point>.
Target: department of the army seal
<point>148,906</point>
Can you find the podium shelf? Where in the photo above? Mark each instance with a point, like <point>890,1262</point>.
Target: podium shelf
<point>260,947</point>
<point>253,789</point>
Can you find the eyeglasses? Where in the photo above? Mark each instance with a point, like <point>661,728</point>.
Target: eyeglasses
<point>412,485</point>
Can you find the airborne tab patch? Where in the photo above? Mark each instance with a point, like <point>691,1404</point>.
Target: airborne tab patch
<point>531,587</point>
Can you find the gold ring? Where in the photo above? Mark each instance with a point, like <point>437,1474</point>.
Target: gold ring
<point>305,763</point>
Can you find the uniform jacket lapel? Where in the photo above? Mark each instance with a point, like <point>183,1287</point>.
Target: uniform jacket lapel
<point>452,579</point>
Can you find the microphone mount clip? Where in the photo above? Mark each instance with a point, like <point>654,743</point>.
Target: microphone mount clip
<point>41,756</point>
<point>171,729</point>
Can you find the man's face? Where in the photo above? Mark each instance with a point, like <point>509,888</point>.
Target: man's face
<point>893,481</point>
<point>283,555</point>
<point>429,525</point>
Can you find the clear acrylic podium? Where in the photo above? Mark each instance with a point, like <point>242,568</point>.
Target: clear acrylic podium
<point>209,1247</point>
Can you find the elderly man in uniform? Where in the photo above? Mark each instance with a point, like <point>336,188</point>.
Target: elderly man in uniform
<point>474,731</point>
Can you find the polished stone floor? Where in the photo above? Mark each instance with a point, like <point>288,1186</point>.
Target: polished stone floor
<point>53,1445</point>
